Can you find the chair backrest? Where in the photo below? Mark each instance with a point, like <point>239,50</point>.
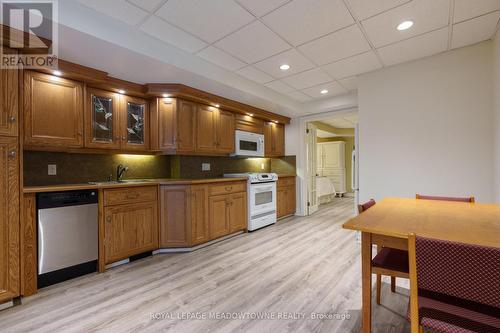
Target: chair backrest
<point>464,271</point>
<point>366,205</point>
<point>458,199</point>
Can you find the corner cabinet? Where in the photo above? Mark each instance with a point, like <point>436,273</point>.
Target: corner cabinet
<point>274,139</point>
<point>9,219</point>
<point>53,111</point>
<point>114,121</point>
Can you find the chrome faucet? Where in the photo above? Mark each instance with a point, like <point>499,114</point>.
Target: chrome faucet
<point>120,169</point>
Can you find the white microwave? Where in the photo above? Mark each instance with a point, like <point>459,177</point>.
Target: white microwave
<point>249,144</point>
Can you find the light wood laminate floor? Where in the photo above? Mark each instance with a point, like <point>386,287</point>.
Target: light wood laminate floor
<point>298,267</point>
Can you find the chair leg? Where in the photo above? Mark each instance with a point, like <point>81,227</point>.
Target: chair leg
<point>379,286</point>
<point>393,284</point>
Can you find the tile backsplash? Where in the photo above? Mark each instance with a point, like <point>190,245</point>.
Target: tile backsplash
<point>81,168</point>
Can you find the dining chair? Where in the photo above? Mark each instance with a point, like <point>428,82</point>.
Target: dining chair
<point>388,261</point>
<point>454,287</point>
<point>457,199</point>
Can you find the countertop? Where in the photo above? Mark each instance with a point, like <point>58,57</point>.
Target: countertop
<point>133,183</point>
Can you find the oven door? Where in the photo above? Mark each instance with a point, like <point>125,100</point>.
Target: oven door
<point>262,199</point>
<point>249,144</point>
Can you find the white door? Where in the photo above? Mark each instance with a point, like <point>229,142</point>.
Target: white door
<point>312,195</point>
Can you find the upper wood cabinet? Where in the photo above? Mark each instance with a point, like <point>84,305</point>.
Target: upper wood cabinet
<point>173,125</point>
<point>53,111</point>
<point>135,123</point>
<point>206,127</point>
<point>215,130</point>
<point>274,139</point>
<point>9,219</point>
<point>249,124</point>
<point>9,100</point>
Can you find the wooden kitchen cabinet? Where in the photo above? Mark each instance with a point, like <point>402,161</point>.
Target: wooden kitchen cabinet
<point>199,214</point>
<point>130,222</point>
<point>53,111</point>
<point>9,100</point>
<point>175,216</point>
<point>249,124</point>
<point>286,198</point>
<point>206,129</point>
<point>225,132</point>
<point>274,139</point>
<point>102,119</point>
<point>173,125</point>
<point>238,212</point>
<point>134,123</point>
<point>219,216</point>
<point>9,219</point>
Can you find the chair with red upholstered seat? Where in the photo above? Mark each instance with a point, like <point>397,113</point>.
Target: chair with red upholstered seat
<point>457,199</point>
<point>388,261</point>
<point>455,287</point>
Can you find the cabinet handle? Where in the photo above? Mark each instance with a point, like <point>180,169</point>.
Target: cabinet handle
<point>12,119</point>
<point>132,195</point>
<point>229,188</point>
<point>108,219</point>
<point>12,153</point>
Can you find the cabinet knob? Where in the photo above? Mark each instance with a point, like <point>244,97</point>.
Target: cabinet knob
<point>123,138</point>
<point>12,153</point>
<point>229,188</point>
<point>108,219</point>
<point>12,119</point>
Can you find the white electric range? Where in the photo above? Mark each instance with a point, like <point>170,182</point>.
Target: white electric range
<point>261,198</point>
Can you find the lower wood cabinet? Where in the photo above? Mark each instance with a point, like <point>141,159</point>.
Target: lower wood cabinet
<point>9,219</point>
<point>130,228</point>
<point>194,214</point>
<point>285,192</point>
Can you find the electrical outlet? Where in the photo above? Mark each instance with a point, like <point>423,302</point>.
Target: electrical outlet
<point>262,166</point>
<point>205,166</point>
<point>52,169</point>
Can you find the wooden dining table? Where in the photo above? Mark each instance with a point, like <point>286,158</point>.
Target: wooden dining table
<point>390,221</point>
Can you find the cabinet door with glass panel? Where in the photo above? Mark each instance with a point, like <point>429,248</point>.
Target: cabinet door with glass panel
<point>102,119</point>
<point>135,118</point>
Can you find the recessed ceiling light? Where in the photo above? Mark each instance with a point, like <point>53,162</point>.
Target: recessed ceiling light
<point>217,105</point>
<point>324,91</point>
<point>250,114</point>
<point>58,73</point>
<point>121,91</point>
<point>405,25</point>
<point>285,67</point>
<point>275,121</point>
<point>165,95</point>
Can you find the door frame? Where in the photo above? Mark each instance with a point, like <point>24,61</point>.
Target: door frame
<point>302,154</point>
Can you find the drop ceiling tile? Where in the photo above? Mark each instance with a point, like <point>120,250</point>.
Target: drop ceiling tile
<point>350,83</point>
<point>208,20</point>
<point>118,9</point>
<point>299,96</point>
<point>300,21</point>
<point>414,48</point>
<point>364,9</point>
<point>253,43</point>
<point>307,79</point>
<point>428,15</point>
<point>467,9</point>
<point>261,7</point>
<point>221,58</point>
<point>255,74</point>
<point>333,87</point>
<point>358,64</point>
<point>297,62</point>
<point>475,30</point>
<point>147,5</point>
<point>168,33</point>
<point>338,45</point>
<point>279,86</point>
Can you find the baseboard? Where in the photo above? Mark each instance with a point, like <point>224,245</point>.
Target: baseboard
<point>6,305</point>
<point>197,247</point>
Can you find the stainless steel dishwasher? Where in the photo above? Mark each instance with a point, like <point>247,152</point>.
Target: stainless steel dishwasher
<point>67,235</point>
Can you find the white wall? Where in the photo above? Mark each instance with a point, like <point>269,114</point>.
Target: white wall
<point>427,127</point>
<point>496,94</point>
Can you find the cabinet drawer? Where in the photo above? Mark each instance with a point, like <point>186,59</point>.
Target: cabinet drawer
<point>119,196</point>
<point>286,181</point>
<point>226,188</point>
